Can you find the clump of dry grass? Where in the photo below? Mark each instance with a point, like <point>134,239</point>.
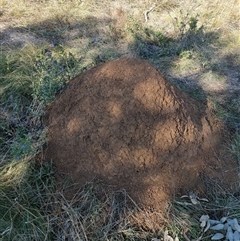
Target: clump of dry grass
<point>94,214</point>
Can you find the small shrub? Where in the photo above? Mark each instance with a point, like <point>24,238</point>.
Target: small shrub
<point>186,24</point>
<point>52,69</point>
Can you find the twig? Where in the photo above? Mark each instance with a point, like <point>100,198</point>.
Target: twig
<point>148,11</point>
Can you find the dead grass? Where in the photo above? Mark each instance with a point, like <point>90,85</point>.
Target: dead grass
<point>93,214</point>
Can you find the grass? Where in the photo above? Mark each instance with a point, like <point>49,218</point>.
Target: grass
<point>95,215</point>
<point>195,44</point>
<point>220,203</point>
<point>24,191</point>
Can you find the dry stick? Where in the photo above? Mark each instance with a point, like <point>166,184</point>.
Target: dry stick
<point>148,11</point>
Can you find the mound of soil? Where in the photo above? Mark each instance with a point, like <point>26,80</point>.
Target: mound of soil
<point>123,123</point>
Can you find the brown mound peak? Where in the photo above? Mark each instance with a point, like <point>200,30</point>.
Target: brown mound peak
<point>123,123</point>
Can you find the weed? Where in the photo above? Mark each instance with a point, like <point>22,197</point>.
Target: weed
<point>186,24</point>
<point>51,70</point>
<point>148,42</point>
<point>45,74</point>
<point>147,35</point>
<point>32,79</point>
<point>22,145</point>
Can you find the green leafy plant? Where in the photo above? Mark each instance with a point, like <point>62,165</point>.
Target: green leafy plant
<point>52,69</point>
<point>32,79</point>
<point>22,145</point>
<point>186,24</point>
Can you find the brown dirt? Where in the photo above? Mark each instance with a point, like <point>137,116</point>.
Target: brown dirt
<point>123,123</point>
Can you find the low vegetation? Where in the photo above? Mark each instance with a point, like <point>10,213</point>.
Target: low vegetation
<point>46,43</point>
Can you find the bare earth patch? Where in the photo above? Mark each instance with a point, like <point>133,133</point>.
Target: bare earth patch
<point>123,123</point>
<point>11,36</point>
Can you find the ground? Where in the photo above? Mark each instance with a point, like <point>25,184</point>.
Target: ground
<point>126,126</point>
<point>123,123</point>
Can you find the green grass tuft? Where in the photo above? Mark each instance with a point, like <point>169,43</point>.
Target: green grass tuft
<point>24,191</point>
